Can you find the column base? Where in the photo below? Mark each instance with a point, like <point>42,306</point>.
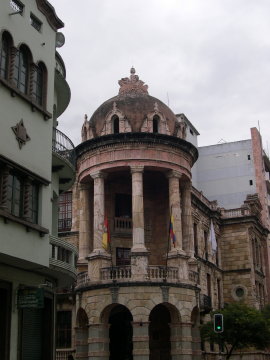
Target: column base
<point>139,264</point>
<point>97,260</point>
<point>179,259</point>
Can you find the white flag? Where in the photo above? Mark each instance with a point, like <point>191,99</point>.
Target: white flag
<point>212,237</point>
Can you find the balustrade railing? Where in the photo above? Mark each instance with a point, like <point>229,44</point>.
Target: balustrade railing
<point>162,272</point>
<point>193,276</point>
<point>64,354</point>
<point>116,273</point>
<point>238,212</point>
<point>82,279</point>
<point>123,225</point>
<point>63,146</point>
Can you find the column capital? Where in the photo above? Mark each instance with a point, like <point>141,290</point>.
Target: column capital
<point>98,174</point>
<point>136,169</point>
<point>174,174</point>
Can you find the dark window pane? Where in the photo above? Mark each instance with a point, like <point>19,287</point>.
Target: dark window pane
<point>65,212</point>
<point>63,329</point>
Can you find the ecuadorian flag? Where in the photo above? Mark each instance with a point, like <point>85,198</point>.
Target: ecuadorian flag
<point>106,234</point>
<point>172,234</point>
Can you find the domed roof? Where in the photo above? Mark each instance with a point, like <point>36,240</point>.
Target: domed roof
<point>133,104</point>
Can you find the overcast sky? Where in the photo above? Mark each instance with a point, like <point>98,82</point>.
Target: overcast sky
<point>208,59</point>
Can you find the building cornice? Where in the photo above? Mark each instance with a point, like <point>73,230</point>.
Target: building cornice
<point>48,10</point>
<point>137,138</point>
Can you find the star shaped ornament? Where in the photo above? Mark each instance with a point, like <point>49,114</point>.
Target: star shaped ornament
<point>21,134</point>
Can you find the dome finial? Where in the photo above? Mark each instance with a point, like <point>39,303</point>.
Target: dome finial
<point>132,85</point>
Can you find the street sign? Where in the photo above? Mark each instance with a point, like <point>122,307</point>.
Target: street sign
<point>30,298</point>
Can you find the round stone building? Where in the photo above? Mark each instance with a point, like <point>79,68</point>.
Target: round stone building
<point>138,293</point>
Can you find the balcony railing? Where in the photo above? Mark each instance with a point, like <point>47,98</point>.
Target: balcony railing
<point>122,225</point>
<point>64,354</point>
<point>83,279</point>
<point>230,213</point>
<point>194,276</point>
<point>205,303</point>
<point>63,146</point>
<point>162,272</point>
<point>63,255</point>
<point>124,273</point>
<point>116,273</point>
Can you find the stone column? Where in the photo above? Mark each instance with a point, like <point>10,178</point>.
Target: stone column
<point>176,341</point>
<point>98,342</point>
<point>186,343</point>
<point>187,226</point>
<point>81,342</point>
<point>137,208</point>
<point>99,210</point>
<point>99,257</point>
<point>84,224</point>
<point>139,254</point>
<point>140,341</point>
<point>175,209</point>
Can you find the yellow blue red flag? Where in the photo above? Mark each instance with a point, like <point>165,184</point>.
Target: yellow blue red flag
<point>106,234</point>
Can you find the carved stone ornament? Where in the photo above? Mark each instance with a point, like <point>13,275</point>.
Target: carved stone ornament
<point>21,134</point>
<point>132,85</point>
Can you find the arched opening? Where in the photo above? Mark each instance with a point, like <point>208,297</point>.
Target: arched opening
<point>159,333</point>
<point>39,84</point>
<point>155,123</point>
<point>120,333</point>
<point>115,124</point>
<point>21,69</point>
<point>82,334</point>
<point>5,50</point>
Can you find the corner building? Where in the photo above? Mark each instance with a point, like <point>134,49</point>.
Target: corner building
<point>36,163</point>
<point>134,169</point>
<point>144,296</point>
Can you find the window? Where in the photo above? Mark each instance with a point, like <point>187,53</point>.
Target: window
<point>195,231</point>
<point>16,5</point>
<point>38,83</point>
<point>65,212</point>
<point>63,329</point>
<point>205,235</point>
<point>208,283</point>
<point>4,56</point>
<point>33,203</point>
<point>248,157</point>
<point>64,255</point>
<point>35,22</point>
<point>123,205</point>
<point>21,70</point>
<point>155,124</point>
<point>19,194</point>
<point>250,182</point>
<point>122,256</point>
<point>15,195</point>
<point>115,125</point>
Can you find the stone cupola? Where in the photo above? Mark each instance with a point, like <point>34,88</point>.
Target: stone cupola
<point>133,110</point>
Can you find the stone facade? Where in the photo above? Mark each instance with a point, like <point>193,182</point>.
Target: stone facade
<point>173,255</point>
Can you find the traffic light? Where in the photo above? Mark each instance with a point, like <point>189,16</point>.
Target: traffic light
<point>218,323</point>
